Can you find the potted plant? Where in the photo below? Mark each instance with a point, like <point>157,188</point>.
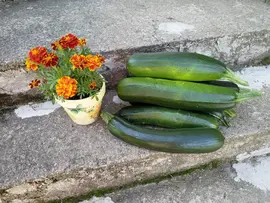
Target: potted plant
<point>68,75</point>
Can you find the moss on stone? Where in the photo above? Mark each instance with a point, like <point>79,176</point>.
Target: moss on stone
<point>265,60</point>
<point>104,191</point>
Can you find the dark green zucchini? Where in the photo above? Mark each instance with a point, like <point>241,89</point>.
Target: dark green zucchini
<point>167,117</point>
<point>180,66</point>
<point>223,84</point>
<point>184,140</point>
<point>180,94</point>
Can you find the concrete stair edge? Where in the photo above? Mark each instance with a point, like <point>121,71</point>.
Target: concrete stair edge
<point>235,50</point>
<point>85,180</point>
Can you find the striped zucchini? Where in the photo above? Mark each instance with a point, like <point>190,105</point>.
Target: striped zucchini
<point>184,140</point>
<point>180,66</point>
<point>167,117</point>
<point>180,94</point>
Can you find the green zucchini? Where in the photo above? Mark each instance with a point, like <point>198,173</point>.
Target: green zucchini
<point>184,140</point>
<point>180,94</point>
<point>180,66</point>
<point>223,84</point>
<point>166,117</point>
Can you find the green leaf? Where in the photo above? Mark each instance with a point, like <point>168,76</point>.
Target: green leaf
<point>52,85</point>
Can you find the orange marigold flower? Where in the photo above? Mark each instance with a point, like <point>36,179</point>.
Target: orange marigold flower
<point>49,59</point>
<point>77,61</point>
<point>82,41</point>
<point>93,85</point>
<point>30,65</point>
<point>91,62</point>
<point>69,41</point>
<point>101,58</point>
<point>66,87</point>
<point>56,45</point>
<point>34,83</point>
<point>36,54</point>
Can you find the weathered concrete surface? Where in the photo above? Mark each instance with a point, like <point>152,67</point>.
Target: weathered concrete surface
<point>122,25</point>
<point>220,185</point>
<point>98,200</point>
<point>55,158</point>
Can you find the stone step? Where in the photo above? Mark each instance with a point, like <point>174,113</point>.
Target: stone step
<point>246,181</point>
<point>122,25</point>
<point>238,33</point>
<point>49,157</point>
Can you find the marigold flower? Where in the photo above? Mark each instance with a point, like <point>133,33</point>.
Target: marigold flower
<point>92,62</point>
<point>101,58</point>
<point>66,87</point>
<point>82,41</point>
<point>89,61</point>
<point>34,83</point>
<point>30,65</point>
<point>92,85</point>
<point>69,41</point>
<point>36,54</point>
<point>56,45</point>
<point>77,61</point>
<point>49,59</point>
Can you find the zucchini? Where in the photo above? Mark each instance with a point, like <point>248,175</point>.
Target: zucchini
<point>166,117</point>
<point>223,84</point>
<point>184,140</point>
<point>180,66</point>
<point>180,94</point>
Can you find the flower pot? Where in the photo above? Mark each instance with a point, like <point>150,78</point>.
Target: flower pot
<point>84,111</point>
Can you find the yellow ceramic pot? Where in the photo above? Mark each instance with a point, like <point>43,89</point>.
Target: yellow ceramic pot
<point>84,111</point>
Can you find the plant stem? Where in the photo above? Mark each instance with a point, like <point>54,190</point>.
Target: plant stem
<point>231,113</point>
<point>106,117</point>
<point>232,77</point>
<point>242,96</point>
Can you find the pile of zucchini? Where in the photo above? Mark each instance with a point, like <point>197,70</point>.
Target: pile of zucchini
<point>178,101</point>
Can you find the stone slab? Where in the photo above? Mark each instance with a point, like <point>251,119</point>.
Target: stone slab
<point>221,185</point>
<point>56,158</point>
<point>122,25</point>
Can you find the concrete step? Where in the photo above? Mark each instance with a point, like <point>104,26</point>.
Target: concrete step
<point>242,182</point>
<point>49,157</point>
<point>238,33</point>
<point>123,25</point>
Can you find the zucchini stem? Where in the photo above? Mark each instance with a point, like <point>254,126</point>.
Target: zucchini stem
<point>243,90</point>
<point>106,116</point>
<point>221,117</point>
<point>232,77</point>
<point>224,121</point>
<point>230,112</point>
<point>245,95</point>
